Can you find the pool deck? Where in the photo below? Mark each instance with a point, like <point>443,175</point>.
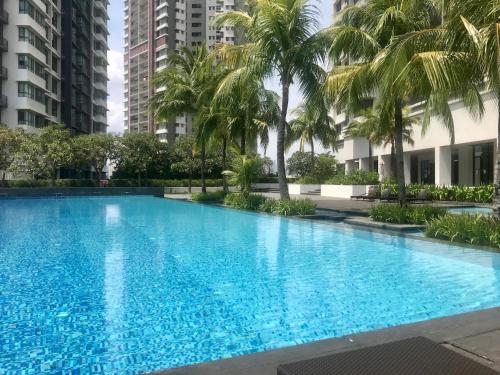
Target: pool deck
<point>475,335</point>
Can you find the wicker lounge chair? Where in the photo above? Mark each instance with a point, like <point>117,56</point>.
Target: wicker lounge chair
<point>416,356</point>
<point>422,196</point>
<point>386,195</point>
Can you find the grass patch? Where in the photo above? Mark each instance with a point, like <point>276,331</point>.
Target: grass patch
<point>395,214</point>
<point>470,229</point>
<point>294,207</point>
<point>355,178</point>
<point>257,202</point>
<point>209,197</point>
<point>250,202</point>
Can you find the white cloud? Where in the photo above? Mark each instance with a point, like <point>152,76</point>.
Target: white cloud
<point>115,68</point>
<point>115,88</point>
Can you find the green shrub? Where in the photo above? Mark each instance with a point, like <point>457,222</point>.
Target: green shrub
<point>240,201</point>
<point>471,229</point>
<point>477,194</point>
<point>164,183</point>
<point>212,196</point>
<point>308,180</point>
<point>395,214</point>
<point>355,178</point>
<point>294,207</point>
<point>46,183</point>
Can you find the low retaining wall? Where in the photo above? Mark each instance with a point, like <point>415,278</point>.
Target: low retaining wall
<point>80,191</point>
<point>185,189</point>
<point>297,189</point>
<point>343,191</point>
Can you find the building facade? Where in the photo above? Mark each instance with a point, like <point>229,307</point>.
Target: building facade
<point>51,68</point>
<point>153,30</point>
<point>432,159</point>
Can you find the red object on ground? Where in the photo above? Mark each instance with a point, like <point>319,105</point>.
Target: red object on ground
<point>103,183</point>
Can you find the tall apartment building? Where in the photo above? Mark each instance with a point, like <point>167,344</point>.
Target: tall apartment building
<point>53,64</point>
<point>153,30</point>
<point>432,159</point>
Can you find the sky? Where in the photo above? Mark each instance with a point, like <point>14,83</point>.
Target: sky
<point>115,68</point>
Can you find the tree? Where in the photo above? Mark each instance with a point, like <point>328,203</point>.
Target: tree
<point>318,170</point>
<point>10,141</point>
<point>185,159</point>
<point>245,171</point>
<point>187,86</point>
<point>300,164</point>
<point>325,167</point>
<point>473,35</point>
<point>370,125</point>
<point>312,123</point>
<point>247,109</point>
<point>96,150</point>
<point>136,151</point>
<point>379,39</point>
<point>280,37</point>
<point>44,153</point>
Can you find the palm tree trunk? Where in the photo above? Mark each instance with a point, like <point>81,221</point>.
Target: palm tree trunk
<point>224,164</point>
<point>243,146</point>
<point>203,166</point>
<point>3,178</point>
<point>400,166</point>
<point>280,154</point>
<point>393,172</point>
<point>312,154</point>
<point>497,175</point>
<point>370,157</point>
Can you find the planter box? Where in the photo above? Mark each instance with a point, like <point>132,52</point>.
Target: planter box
<point>297,189</point>
<point>343,191</point>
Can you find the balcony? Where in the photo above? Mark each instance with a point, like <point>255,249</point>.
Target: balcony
<point>4,72</point>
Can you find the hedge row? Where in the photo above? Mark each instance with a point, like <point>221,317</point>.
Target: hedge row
<point>113,183</point>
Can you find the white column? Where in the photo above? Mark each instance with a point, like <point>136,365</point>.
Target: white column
<point>381,168</point>
<point>407,167</point>
<point>364,164</point>
<point>349,164</point>
<point>443,165</point>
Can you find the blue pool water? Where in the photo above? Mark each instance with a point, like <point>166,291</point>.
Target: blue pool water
<point>132,284</point>
<point>472,210</point>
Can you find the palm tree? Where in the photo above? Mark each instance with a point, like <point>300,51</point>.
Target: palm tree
<point>248,108</point>
<point>245,170</point>
<point>370,125</point>
<point>474,29</point>
<point>187,87</point>
<point>311,123</point>
<point>280,37</point>
<point>380,37</point>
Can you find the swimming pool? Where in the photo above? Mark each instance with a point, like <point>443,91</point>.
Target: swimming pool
<point>133,284</point>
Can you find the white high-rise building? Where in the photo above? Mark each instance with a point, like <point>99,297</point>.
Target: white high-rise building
<point>432,159</point>
<point>54,64</point>
<point>153,30</point>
